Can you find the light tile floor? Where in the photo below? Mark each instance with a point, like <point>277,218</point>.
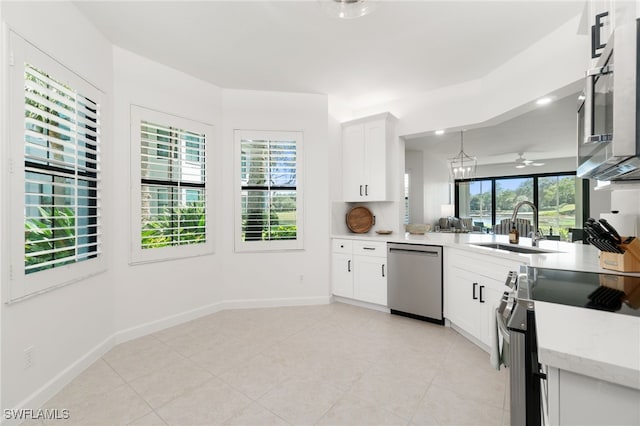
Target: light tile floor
<point>328,365</point>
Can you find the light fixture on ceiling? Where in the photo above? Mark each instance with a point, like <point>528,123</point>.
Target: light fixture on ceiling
<point>348,9</point>
<point>462,166</point>
<point>522,162</point>
<point>439,132</point>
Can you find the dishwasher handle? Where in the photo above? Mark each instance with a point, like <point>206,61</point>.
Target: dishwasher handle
<point>413,251</point>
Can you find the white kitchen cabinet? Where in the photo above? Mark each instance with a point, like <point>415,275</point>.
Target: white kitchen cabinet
<point>370,281</point>
<point>595,9</point>
<point>342,267</point>
<point>575,399</point>
<point>366,154</point>
<point>342,274</point>
<point>358,270</point>
<point>474,284</point>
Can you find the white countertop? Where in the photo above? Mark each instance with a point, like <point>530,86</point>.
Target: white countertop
<point>593,343</point>
<point>570,256</point>
<point>598,344</point>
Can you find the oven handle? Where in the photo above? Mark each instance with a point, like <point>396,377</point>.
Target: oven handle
<point>502,328</point>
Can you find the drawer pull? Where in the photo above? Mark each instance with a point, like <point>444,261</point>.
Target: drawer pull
<point>383,270</point>
<point>475,285</point>
<point>481,296</point>
<point>368,248</point>
<point>349,265</point>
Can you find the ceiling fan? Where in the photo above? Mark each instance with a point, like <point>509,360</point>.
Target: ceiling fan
<point>522,162</point>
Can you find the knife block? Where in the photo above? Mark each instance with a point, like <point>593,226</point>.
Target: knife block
<point>629,261</point>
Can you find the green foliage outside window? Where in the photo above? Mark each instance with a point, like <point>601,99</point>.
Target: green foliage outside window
<point>52,231</point>
<point>184,225</point>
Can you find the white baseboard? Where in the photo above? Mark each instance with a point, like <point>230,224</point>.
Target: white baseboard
<point>361,304</point>
<point>60,380</point>
<point>55,385</point>
<point>166,322</point>
<point>177,319</point>
<point>471,338</point>
<point>275,303</point>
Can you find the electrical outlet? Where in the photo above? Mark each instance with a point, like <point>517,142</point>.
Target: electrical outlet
<point>28,357</point>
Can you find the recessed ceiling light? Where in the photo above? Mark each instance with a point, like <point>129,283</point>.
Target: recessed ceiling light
<point>537,164</point>
<point>581,98</point>
<point>520,166</point>
<point>544,101</point>
<point>439,132</point>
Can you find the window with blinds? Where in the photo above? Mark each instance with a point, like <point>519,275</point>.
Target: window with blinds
<point>173,179</point>
<point>61,173</point>
<point>270,201</point>
<point>172,211</point>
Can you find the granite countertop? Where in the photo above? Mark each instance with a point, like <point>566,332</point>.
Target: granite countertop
<point>598,344</point>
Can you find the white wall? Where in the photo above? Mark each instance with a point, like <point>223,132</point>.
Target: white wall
<point>70,323</point>
<point>414,166</point>
<point>153,295</point>
<point>276,277</point>
<point>438,189</point>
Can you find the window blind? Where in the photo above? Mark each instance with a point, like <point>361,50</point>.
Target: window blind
<point>173,186</point>
<point>62,173</point>
<point>268,190</point>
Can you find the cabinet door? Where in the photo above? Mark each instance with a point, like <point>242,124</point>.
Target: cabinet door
<point>342,275</point>
<point>463,309</point>
<point>370,279</point>
<point>489,299</point>
<point>375,161</point>
<point>353,162</point>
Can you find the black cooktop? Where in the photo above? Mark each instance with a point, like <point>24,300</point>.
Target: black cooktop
<point>606,292</point>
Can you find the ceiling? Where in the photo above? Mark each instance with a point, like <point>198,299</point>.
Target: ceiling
<point>402,48</point>
<point>545,132</point>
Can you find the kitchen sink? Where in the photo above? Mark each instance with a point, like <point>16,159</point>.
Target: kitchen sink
<point>514,248</point>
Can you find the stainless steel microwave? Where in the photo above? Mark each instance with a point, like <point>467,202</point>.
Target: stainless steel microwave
<point>608,133</point>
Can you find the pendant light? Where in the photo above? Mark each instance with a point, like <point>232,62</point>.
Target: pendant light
<point>348,9</point>
<point>462,166</point>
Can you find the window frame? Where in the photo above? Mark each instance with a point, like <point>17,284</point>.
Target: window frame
<point>535,177</point>
<point>271,245</point>
<point>138,255</point>
<point>21,285</point>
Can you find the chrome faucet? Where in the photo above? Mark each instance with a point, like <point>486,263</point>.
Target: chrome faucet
<point>535,235</point>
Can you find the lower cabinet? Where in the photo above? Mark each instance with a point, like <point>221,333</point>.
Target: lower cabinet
<point>474,284</point>
<point>358,270</point>
<point>574,399</point>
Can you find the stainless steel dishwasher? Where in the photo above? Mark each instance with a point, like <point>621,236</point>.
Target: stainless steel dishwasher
<point>414,281</point>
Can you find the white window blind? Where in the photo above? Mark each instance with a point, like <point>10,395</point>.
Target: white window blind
<point>270,198</point>
<point>173,179</point>
<point>172,211</point>
<point>61,173</point>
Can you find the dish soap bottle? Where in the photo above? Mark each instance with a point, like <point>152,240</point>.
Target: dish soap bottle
<point>514,235</point>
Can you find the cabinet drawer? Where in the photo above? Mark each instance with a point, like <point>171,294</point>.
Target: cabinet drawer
<point>341,246</point>
<point>370,248</point>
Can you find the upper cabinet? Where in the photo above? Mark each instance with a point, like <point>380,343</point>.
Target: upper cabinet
<point>601,19</point>
<point>366,152</point>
